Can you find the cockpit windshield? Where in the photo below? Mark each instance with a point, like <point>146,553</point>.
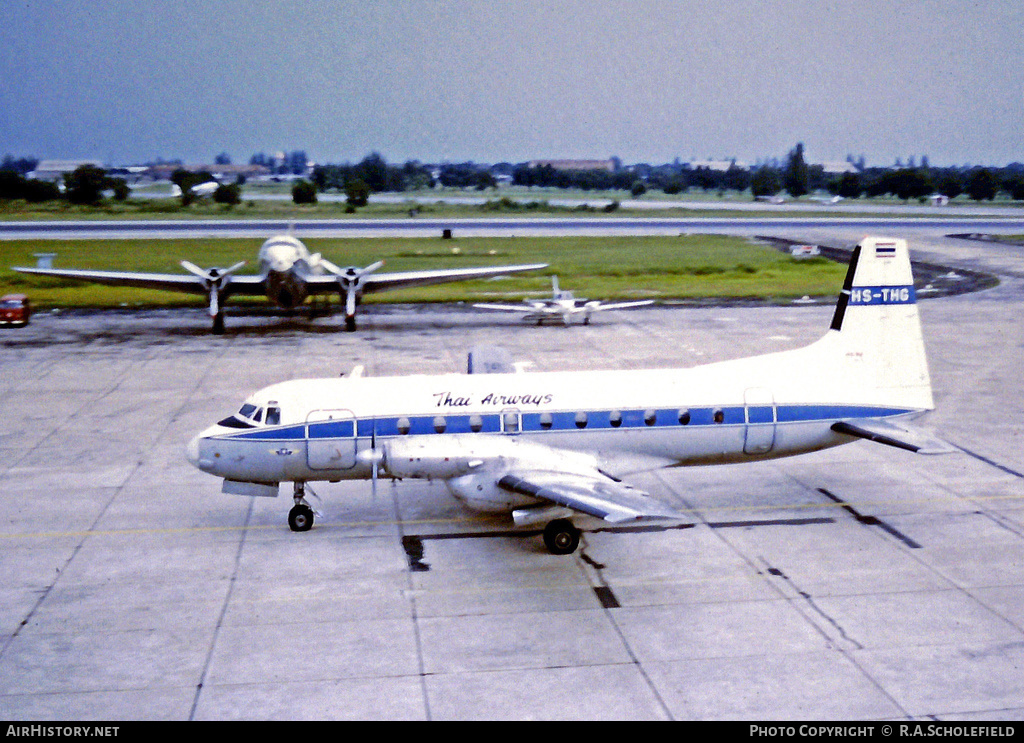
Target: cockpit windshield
<point>252,416</point>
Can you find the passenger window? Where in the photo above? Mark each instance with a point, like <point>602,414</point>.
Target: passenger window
<point>615,418</point>
<point>510,422</point>
<point>719,416</point>
<point>476,423</point>
<point>545,421</point>
<point>650,417</point>
<point>440,424</point>
<point>404,426</point>
<point>684,417</point>
<point>581,420</point>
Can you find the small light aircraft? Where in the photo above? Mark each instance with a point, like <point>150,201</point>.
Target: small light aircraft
<point>562,306</point>
<point>550,447</point>
<point>288,275</point>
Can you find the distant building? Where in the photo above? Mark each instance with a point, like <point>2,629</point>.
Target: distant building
<point>838,167</point>
<point>55,170</point>
<point>221,171</point>
<point>720,166</point>
<point>608,165</point>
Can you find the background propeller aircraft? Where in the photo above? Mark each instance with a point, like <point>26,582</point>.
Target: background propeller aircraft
<point>206,188</point>
<point>563,305</point>
<point>550,448</point>
<point>288,275</point>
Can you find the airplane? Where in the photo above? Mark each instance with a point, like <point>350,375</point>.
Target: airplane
<point>288,274</point>
<point>206,188</point>
<point>551,447</point>
<point>562,305</point>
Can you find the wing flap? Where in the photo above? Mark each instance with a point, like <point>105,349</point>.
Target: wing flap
<point>892,434</point>
<point>594,494</point>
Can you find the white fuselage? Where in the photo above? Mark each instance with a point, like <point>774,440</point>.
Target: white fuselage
<point>436,426</point>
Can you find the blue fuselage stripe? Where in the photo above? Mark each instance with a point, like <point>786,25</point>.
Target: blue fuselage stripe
<point>530,422</point>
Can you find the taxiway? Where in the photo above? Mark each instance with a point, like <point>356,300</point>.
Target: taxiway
<point>857,583</point>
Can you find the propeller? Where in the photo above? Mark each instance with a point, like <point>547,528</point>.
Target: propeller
<point>375,463</point>
<point>215,281</point>
<point>351,281</point>
<point>374,457</point>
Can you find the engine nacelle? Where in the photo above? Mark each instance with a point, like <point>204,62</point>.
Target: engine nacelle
<point>423,457</point>
<point>480,492</point>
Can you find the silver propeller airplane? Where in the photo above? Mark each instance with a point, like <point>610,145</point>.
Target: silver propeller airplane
<point>288,275</point>
<point>550,447</point>
<point>562,305</point>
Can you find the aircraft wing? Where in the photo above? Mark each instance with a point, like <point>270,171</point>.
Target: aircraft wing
<point>378,282</point>
<point>521,308</point>
<point>592,493</point>
<point>183,282</point>
<point>601,306</point>
<point>893,434</point>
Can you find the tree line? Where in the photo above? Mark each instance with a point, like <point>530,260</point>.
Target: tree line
<point>373,174</point>
<point>794,177</point>
<point>86,185</point>
<point>797,178</point>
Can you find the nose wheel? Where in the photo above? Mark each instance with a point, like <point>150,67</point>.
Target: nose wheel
<point>300,518</point>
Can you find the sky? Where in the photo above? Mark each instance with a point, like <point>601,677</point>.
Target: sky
<point>487,81</point>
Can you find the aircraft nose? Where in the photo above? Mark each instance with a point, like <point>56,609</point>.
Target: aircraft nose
<point>192,451</point>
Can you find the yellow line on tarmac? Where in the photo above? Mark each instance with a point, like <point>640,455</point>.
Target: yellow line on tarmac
<point>863,507</point>
<point>212,529</point>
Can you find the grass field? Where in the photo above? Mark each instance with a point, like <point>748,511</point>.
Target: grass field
<point>683,267</point>
<point>271,201</point>
<point>286,210</point>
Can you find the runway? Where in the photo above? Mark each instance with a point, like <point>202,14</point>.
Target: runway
<point>861,583</point>
<point>502,227</point>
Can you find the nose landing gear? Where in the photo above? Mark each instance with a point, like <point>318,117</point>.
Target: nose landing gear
<point>301,517</point>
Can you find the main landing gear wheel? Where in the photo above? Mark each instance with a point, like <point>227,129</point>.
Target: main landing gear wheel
<point>561,537</point>
<point>300,518</point>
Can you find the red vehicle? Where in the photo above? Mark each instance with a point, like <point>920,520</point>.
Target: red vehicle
<point>14,310</point>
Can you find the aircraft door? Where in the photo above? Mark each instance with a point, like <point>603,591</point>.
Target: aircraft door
<point>759,405</point>
<point>331,440</point>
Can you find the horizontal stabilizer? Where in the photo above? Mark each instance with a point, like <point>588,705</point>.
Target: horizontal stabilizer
<point>892,434</point>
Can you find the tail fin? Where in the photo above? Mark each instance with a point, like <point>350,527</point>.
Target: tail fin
<point>877,329</point>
